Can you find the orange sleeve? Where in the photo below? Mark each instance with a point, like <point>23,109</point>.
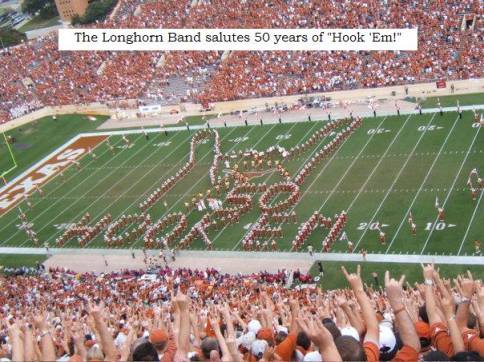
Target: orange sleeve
<point>406,354</point>
<point>170,351</point>
<point>441,338</point>
<point>372,351</point>
<point>286,348</point>
<point>472,341</point>
<point>477,345</point>
<point>209,330</point>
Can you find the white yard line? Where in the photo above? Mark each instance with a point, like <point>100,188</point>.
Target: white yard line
<point>181,144</point>
<point>470,222</point>
<point>315,179</point>
<point>450,192</point>
<point>70,191</point>
<point>379,162</point>
<point>267,178</point>
<point>62,184</point>
<point>104,178</point>
<point>404,219</point>
<point>394,182</point>
<point>333,190</point>
<point>191,188</point>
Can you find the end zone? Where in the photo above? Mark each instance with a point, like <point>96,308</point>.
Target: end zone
<point>45,170</point>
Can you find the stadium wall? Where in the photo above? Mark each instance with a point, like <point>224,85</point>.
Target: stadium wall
<point>190,109</point>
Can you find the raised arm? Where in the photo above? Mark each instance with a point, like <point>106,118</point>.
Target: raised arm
<point>29,348</point>
<point>430,304</point>
<point>183,304</point>
<point>466,288</point>
<point>46,343</point>
<point>369,315</point>
<point>105,337</point>
<point>14,334</point>
<point>448,307</point>
<point>404,323</point>
<point>321,337</point>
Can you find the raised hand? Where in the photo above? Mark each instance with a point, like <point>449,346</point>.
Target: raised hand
<point>428,271</point>
<point>465,286</point>
<point>316,331</point>
<point>354,279</point>
<point>394,290</point>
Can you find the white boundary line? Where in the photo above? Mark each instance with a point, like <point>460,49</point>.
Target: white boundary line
<point>156,182</point>
<point>79,184</point>
<point>450,190</point>
<point>235,144</point>
<point>404,219</point>
<point>62,184</point>
<point>378,258</point>
<point>470,222</point>
<point>183,143</point>
<point>196,127</point>
<point>396,178</point>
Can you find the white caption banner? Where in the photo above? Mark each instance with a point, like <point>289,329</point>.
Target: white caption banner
<point>237,39</point>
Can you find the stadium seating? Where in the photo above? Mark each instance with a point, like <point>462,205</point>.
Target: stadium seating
<point>35,74</point>
<point>192,315</point>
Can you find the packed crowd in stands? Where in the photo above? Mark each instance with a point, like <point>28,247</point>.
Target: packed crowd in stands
<point>36,73</point>
<point>190,315</point>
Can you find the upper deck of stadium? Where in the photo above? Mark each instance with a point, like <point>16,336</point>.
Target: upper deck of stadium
<point>36,74</point>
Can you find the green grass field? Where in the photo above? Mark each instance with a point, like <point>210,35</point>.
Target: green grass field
<point>449,101</point>
<point>37,139</point>
<point>388,167</point>
<point>18,260</point>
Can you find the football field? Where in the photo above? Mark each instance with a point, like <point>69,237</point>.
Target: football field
<point>388,168</point>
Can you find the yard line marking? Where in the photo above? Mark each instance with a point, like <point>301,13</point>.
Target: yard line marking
<point>104,178</point>
<point>191,188</point>
<point>470,222</point>
<point>97,183</point>
<point>422,134</point>
<point>350,166</point>
<point>300,168</point>
<point>270,175</point>
<point>451,187</point>
<point>421,188</point>
<point>378,164</point>
<point>333,157</point>
<point>231,148</point>
<point>48,193</point>
<point>70,191</point>
<point>157,181</point>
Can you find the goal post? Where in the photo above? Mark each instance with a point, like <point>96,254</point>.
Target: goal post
<point>7,159</point>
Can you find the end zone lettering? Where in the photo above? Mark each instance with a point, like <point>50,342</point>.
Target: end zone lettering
<point>15,192</point>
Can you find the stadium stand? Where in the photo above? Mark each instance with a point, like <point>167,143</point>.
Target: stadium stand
<point>35,74</point>
<point>190,315</point>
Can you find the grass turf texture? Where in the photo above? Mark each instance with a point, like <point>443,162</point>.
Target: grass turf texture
<point>449,101</point>
<point>333,277</point>
<point>375,175</point>
<point>19,260</point>
<point>37,139</point>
